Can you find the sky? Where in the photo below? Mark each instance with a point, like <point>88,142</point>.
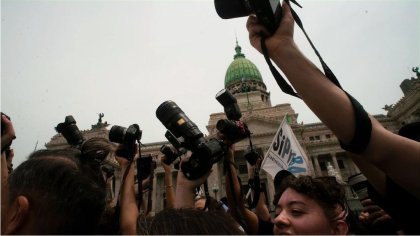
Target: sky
<point>124,58</point>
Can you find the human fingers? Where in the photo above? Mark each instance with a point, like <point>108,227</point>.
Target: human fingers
<point>371,208</point>
<point>382,219</point>
<point>286,27</point>
<point>256,31</point>
<point>367,202</point>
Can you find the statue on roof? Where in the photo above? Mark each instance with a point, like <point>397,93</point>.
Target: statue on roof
<point>388,107</point>
<point>100,124</point>
<point>100,118</point>
<point>416,70</point>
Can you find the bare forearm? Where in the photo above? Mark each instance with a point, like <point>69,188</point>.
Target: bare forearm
<point>170,195</point>
<point>129,210</point>
<point>325,99</point>
<point>184,196</point>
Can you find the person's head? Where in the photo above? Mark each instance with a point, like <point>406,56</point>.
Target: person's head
<point>188,221</point>
<point>53,194</point>
<point>9,159</point>
<point>305,205</point>
<point>213,205</point>
<point>96,148</point>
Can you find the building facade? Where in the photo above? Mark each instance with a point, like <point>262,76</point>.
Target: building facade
<point>245,82</point>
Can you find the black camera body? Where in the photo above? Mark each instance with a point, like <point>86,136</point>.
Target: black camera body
<point>144,165</point>
<point>184,134</point>
<point>171,155</point>
<point>232,128</point>
<point>268,12</point>
<point>70,131</point>
<point>127,137</point>
<point>108,170</point>
<point>251,156</point>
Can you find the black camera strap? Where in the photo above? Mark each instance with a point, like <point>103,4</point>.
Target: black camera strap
<point>206,192</point>
<point>254,183</point>
<point>228,172</point>
<point>285,87</point>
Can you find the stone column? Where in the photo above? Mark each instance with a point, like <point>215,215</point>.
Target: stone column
<point>317,167</point>
<point>335,163</point>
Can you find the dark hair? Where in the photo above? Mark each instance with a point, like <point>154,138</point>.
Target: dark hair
<point>63,195</point>
<point>326,191</point>
<point>188,221</point>
<point>96,148</point>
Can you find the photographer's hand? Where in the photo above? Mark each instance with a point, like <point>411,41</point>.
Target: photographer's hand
<point>283,37</point>
<point>185,188</point>
<point>9,133</point>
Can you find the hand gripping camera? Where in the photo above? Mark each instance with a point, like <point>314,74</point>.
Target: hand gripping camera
<point>171,155</point>
<point>183,133</point>
<point>70,131</point>
<point>127,137</point>
<point>232,128</point>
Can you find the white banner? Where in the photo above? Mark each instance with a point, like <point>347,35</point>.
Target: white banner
<point>285,153</point>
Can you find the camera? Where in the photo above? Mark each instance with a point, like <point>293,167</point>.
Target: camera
<point>251,155</point>
<point>183,133</point>
<point>108,170</point>
<point>268,12</point>
<point>127,137</point>
<point>70,131</point>
<point>359,184</point>
<point>232,128</point>
<point>144,165</point>
<point>171,155</point>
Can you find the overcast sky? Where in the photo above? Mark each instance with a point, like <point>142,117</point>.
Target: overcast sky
<point>124,58</point>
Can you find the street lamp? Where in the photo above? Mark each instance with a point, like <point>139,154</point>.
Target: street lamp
<point>215,189</point>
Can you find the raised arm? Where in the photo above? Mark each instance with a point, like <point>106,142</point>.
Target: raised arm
<point>397,157</point>
<point>170,195</point>
<point>235,199</point>
<point>129,209</point>
<point>185,188</point>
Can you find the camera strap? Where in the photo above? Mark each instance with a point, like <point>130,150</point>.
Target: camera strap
<point>206,192</point>
<point>254,184</point>
<point>228,172</point>
<point>284,86</point>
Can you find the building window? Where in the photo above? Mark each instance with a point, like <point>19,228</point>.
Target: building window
<point>328,136</point>
<point>243,169</point>
<point>323,165</point>
<point>311,138</point>
<point>341,164</point>
<point>317,138</point>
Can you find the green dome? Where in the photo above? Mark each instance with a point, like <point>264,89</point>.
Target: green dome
<point>241,68</point>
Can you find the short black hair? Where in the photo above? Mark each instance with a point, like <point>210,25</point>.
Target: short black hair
<point>188,221</point>
<point>326,191</point>
<point>64,196</point>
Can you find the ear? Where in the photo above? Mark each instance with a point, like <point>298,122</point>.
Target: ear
<point>341,227</point>
<point>18,215</point>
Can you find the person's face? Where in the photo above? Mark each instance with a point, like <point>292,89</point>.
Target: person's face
<point>4,192</point>
<point>299,214</point>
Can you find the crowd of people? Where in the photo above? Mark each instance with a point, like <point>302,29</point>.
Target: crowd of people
<point>66,191</point>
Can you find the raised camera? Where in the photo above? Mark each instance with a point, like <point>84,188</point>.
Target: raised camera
<point>232,128</point>
<point>268,12</point>
<point>183,133</point>
<point>70,131</point>
<point>127,137</point>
